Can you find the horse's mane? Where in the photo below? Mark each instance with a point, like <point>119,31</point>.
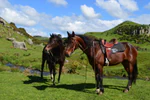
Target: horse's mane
<point>58,36</point>
<point>88,39</point>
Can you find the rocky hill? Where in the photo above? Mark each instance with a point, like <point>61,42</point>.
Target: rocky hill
<point>9,30</point>
<point>132,28</point>
<point>126,31</point>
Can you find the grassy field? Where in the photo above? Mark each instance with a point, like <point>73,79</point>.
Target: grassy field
<point>18,86</point>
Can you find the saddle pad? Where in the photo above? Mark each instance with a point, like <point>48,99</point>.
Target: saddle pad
<point>119,47</point>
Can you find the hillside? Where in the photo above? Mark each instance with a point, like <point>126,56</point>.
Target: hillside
<point>126,31</point>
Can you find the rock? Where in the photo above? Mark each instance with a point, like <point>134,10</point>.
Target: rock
<point>30,41</point>
<point>11,39</point>
<point>20,45</point>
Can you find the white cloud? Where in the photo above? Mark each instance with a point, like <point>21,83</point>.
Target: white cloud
<point>121,9</point>
<point>35,31</point>
<point>142,19</point>
<point>130,5</point>
<point>80,25</point>
<point>59,2</point>
<point>17,17</point>
<point>147,6</point>
<point>4,4</point>
<point>89,12</point>
<point>112,7</point>
<point>28,11</point>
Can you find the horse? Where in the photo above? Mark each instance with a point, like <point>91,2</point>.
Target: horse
<point>54,53</point>
<point>93,48</point>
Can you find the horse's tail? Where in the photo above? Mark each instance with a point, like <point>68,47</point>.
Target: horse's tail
<point>135,72</point>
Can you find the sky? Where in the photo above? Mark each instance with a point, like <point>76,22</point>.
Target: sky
<point>44,17</point>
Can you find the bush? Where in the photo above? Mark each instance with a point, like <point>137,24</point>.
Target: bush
<point>73,67</point>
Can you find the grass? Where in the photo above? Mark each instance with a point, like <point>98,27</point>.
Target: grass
<point>18,86</point>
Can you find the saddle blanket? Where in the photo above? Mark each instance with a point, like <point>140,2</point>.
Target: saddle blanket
<point>119,47</point>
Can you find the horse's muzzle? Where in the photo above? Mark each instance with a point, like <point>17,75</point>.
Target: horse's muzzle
<point>67,55</point>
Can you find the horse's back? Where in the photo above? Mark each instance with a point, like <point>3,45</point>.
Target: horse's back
<point>131,51</point>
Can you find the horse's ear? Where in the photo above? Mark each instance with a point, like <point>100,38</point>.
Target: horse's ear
<point>73,33</point>
<point>68,33</point>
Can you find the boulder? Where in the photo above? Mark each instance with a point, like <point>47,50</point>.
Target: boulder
<point>21,45</point>
<point>11,39</point>
<point>30,41</point>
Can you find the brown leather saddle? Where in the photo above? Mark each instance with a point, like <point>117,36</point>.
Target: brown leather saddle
<point>111,47</point>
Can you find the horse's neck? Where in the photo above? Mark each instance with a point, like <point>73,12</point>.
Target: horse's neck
<point>59,50</point>
<point>62,48</point>
<point>82,44</point>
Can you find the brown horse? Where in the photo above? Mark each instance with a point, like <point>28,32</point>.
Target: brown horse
<point>93,49</point>
<point>55,55</point>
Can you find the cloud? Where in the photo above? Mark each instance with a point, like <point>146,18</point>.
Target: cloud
<point>130,5</point>
<point>117,9</point>
<point>20,15</point>
<point>80,25</point>
<point>147,6</point>
<point>36,31</point>
<point>4,4</point>
<point>17,17</point>
<point>89,12</point>
<point>112,7</point>
<point>59,2</point>
<point>142,19</point>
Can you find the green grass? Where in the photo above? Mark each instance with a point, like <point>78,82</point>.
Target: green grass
<point>17,86</point>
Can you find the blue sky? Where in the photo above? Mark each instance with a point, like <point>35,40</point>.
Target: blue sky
<point>43,17</point>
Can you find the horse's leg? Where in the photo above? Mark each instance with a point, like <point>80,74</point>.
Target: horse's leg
<point>50,70</point>
<point>99,79</point>
<point>60,70</point>
<point>42,67</point>
<point>129,68</point>
<point>54,73</point>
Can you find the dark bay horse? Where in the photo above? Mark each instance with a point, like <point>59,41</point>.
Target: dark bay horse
<point>54,53</point>
<point>92,48</point>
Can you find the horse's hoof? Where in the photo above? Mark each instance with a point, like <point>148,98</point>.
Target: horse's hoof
<point>97,91</point>
<point>100,93</point>
<point>126,90</point>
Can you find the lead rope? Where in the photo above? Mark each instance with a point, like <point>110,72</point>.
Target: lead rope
<point>94,61</point>
<point>86,66</point>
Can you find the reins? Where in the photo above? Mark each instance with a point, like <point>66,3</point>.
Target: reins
<point>82,48</point>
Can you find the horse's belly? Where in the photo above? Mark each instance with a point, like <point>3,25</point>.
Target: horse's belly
<point>116,58</point>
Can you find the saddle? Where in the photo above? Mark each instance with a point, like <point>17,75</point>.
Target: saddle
<point>109,44</point>
<point>111,47</point>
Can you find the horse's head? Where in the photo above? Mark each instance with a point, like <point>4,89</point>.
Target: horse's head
<point>54,41</point>
<point>72,44</point>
